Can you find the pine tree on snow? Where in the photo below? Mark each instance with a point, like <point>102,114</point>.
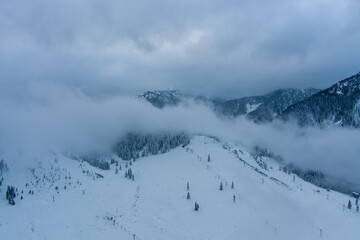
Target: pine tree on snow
<point>187,186</point>
<point>208,157</point>
<point>188,195</point>
<point>232,185</point>
<point>196,206</point>
<point>221,186</point>
<point>349,205</point>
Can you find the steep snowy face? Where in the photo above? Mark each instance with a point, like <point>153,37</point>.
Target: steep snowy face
<point>348,87</point>
<point>336,105</point>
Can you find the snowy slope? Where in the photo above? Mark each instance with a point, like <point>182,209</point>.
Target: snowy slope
<point>269,203</point>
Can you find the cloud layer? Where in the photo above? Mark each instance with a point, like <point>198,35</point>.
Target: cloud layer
<point>63,119</point>
<point>222,49</point>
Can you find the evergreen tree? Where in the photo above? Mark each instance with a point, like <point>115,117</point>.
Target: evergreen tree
<point>196,206</point>
<point>116,171</point>
<point>234,197</point>
<point>188,195</point>
<point>187,186</point>
<point>126,174</point>
<point>349,205</point>
<point>221,186</point>
<point>209,158</point>
<point>232,185</point>
<point>10,194</point>
<point>357,208</point>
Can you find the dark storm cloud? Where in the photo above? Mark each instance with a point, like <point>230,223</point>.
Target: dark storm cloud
<point>217,48</point>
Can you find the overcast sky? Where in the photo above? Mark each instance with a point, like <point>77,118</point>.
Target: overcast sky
<point>213,48</point>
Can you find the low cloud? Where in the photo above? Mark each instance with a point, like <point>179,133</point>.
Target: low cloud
<point>55,117</point>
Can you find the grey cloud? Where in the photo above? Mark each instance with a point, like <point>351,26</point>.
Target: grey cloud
<point>222,49</point>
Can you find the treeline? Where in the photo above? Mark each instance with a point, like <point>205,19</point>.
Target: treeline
<point>322,180</point>
<point>133,146</point>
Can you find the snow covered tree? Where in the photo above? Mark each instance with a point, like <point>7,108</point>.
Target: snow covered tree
<point>196,206</point>
<point>133,145</point>
<point>221,186</point>
<point>188,195</point>
<point>10,195</point>
<point>349,205</point>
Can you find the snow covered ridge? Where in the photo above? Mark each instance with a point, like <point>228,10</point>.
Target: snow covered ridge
<point>237,194</point>
<point>336,105</point>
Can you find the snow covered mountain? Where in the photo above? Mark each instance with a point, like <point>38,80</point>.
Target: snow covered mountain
<point>257,108</point>
<point>266,107</point>
<point>58,197</point>
<point>162,98</point>
<point>172,98</point>
<point>337,105</point>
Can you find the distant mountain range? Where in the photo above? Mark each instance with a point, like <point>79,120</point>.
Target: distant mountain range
<point>266,107</point>
<point>337,105</point>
